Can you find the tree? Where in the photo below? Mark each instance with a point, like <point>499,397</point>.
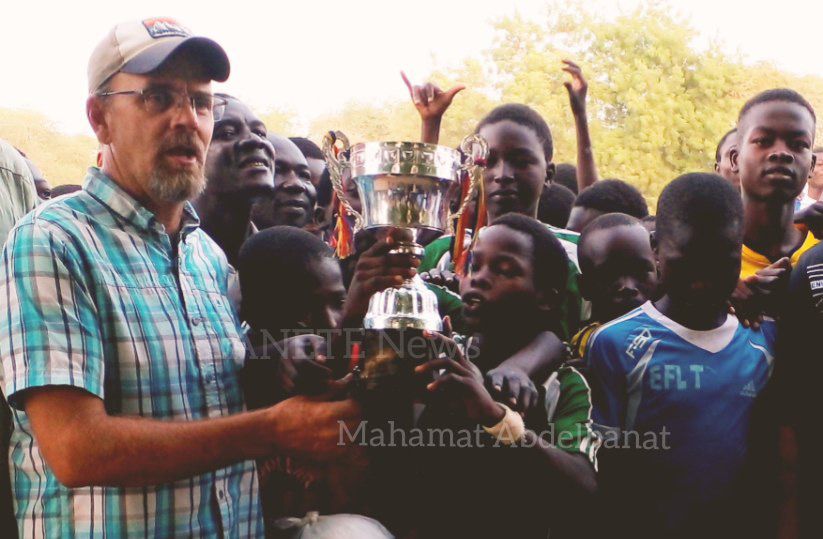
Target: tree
<point>657,104</point>
<point>62,158</point>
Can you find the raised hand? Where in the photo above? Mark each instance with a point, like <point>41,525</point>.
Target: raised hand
<point>429,100</point>
<point>577,87</point>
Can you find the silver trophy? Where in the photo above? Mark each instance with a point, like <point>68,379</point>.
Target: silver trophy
<point>404,187</point>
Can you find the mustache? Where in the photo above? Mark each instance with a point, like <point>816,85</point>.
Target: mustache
<point>186,142</point>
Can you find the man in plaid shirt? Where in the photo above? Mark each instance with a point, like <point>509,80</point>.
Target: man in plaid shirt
<point>120,349</point>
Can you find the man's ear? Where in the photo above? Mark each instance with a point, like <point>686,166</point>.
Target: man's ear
<point>814,164</point>
<point>96,114</point>
<point>551,170</point>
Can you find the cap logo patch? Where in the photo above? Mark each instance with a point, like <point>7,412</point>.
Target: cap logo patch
<point>162,27</point>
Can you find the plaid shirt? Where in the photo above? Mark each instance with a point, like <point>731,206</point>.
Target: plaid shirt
<point>94,295</point>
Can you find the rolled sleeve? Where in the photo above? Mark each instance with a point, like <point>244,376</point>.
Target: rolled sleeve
<point>49,332</point>
<point>573,419</point>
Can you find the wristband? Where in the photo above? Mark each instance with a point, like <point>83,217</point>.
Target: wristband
<point>510,429</point>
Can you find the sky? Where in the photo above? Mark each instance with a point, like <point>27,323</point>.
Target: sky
<point>313,56</point>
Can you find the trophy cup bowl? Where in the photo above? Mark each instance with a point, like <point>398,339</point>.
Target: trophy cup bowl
<point>404,189</point>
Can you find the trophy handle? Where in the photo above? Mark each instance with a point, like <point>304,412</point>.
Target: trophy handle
<point>334,144</point>
<point>476,150</point>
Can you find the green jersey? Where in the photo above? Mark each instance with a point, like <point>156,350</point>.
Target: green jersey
<point>438,255</point>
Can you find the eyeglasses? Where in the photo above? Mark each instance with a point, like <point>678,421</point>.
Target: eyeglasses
<point>159,100</point>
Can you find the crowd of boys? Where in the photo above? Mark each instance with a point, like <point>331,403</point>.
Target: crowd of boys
<point>178,336</point>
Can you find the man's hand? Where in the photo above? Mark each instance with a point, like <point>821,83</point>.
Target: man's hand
<point>755,295</point>
<point>513,387</point>
<point>311,427</point>
<point>577,87</point>
<point>376,270</point>
<point>461,384</point>
<point>84,445</point>
<point>430,101</point>
<point>811,218</point>
<point>442,278</point>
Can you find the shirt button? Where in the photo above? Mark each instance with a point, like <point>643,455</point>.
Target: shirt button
<point>195,321</point>
<point>220,494</point>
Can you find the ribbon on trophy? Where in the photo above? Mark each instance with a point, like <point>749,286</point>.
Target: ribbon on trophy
<point>460,253</point>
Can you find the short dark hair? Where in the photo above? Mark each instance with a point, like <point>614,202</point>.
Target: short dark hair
<point>566,175</point>
<point>613,196</point>
<point>698,201</point>
<point>309,149</point>
<point>525,116</point>
<point>550,262</point>
<point>273,264</point>
<point>556,203</point>
<point>777,94</point>
<point>720,144</point>
<point>602,222</point>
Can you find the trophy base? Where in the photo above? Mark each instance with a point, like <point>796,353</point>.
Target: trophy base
<point>410,306</point>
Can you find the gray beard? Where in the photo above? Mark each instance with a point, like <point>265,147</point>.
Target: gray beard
<point>173,187</point>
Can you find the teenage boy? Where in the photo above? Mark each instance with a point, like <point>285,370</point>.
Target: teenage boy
<point>682,375</point>
<point>774,159</point>
<point>510,294</point>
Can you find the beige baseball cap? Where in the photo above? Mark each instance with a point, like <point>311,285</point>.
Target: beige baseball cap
<point>140,47</point>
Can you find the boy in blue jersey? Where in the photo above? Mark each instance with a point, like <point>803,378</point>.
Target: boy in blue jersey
<point>675,380</point>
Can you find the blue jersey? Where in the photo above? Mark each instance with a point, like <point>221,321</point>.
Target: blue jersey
<point>684,399</point>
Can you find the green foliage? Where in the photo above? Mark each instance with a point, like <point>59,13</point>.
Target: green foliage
<point>62,158</point>
<point>657,104</point>
<point>279,121</point>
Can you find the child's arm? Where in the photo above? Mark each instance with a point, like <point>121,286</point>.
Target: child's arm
<point>459,384</point>
<point>577,88</point>
<point>513,381</point>
<point>431,103</point>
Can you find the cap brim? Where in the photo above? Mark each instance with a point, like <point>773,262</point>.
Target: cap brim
<point>211,55</point>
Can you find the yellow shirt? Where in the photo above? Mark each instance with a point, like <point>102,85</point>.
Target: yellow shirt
<point>754,262</point>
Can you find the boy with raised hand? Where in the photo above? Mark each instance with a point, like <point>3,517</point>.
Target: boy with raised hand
<point>675,381</point>
<point>619,271</point>
<point>511,293</point>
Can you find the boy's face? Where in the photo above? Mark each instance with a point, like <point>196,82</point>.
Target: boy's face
<point>724,166</point>
<point>773,157</point>
<point>699,270</point>
<point>620,272</point>
<point>240,158</point>
<point>516,170</point>
<point>324,305</point>
<point>499,287</point>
